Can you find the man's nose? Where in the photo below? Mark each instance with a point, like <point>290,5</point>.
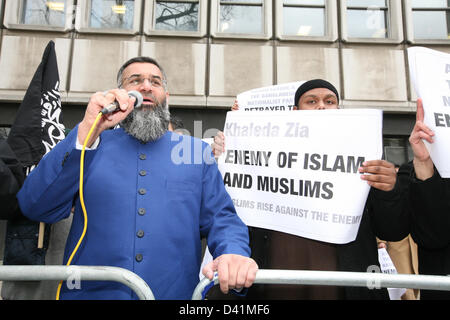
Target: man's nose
<point>146,85</point>
<point>321,105</point>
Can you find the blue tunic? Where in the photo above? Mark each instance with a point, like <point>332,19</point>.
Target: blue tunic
<point>148,207</point>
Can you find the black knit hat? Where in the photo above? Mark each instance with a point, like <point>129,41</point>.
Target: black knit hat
<point>313,84</point>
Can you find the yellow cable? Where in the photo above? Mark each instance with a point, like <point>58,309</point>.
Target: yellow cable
<point>81,199</point>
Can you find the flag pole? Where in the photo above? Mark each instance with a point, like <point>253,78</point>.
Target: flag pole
<point>41,235</point>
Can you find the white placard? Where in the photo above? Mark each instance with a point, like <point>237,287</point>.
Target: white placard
<point>272,98</point>
<point>388,267</point>
<point>297,172</point>
<point>430,73</point>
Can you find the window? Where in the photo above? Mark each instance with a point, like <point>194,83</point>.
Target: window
<point>236,17</point>
<point>51,13</point>
<point>4,131</point>
<point>250,18</point>
<point>397,150</point>
<point>431,19</point>
<point>176,17</point>
<point>304,18</point>
<point>307,19</point>
<point>39,14</point>
<point>112,14</point>
<point>109,16</point>
<point>371,20</point>
<point>367,18</point>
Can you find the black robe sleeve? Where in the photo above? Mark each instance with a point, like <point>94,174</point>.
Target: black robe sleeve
<point>11,179</point>
<point>391,211</point>
<point>430,203</point>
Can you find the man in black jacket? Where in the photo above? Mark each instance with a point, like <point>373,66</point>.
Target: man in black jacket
<point>426,209</point>
<point>277,250</point>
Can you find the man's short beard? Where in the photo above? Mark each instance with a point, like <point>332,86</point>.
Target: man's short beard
<point>147,124</point>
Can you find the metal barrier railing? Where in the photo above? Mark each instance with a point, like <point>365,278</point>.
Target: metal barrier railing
<point>337,278</point>
<point>78,273</point>
<point>263,276</point>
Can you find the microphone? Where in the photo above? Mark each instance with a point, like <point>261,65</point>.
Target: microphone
<point>114,106</point>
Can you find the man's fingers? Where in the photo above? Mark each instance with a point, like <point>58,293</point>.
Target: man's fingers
<point>381,163</point>
<point>121,97</point>
<point>219,139</point>
<point>389,177</point>
<point>218,146</point>
<point>380,174</point>
<point>380,186</point>
<point>425,136</point>
<point>208,270</point>
<point>241,277</point>
<point>371,169</point>
<point>420,114</point>
<point>378,170</point>
<point>385,183</point>
<point>235,272</point>
<point>246,274</point>
<point>381,167</point>
<point>378,177</point>
<point>216,149</point>
<point>420,126</point>
<point>222,269</point>
<point>100,100</point>
<point>418,135</point>
<point>420,130</point>
<point>235,106</point>
<point>251,274</point>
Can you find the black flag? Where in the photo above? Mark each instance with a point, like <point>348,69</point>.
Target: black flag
<point>37,128</point>
<point>38,125</point>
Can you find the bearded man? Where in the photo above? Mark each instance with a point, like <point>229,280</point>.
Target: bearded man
<point>147,210</point>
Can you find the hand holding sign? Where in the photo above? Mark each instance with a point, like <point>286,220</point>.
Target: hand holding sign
<point>218,146</point>
<point>382,174</point>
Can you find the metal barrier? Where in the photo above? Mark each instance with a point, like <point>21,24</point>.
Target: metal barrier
<point>75,273</point>
<point>337,278</point>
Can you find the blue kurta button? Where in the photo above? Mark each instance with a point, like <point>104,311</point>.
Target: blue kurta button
<point>139,257</point>
<point>142,173</point>
<point>140,233</point>
<point>141,211</point>
<point>142,156</point>
<point>142,191</point>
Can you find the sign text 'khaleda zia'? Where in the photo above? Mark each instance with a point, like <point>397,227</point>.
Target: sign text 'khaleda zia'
<point>297,171</point>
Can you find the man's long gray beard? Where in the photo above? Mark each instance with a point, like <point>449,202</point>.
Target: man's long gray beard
<point>147,124</point>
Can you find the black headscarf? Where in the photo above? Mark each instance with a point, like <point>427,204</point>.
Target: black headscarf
<point>313,84</point>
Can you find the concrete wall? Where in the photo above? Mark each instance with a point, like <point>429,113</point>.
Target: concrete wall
<point>206,71</point>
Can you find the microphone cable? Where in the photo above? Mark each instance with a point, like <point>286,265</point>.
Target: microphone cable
<point>83,150</point>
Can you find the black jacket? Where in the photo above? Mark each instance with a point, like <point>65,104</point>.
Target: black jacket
<point>11,179</point>
<point>21,234</point>
<point>426,215</point>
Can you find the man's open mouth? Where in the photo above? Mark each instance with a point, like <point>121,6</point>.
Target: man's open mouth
<point>148,100</point>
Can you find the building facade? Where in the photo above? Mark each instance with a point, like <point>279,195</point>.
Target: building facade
<point>214,49</point>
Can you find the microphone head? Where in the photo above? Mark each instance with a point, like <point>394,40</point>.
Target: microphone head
<point>138,96</point>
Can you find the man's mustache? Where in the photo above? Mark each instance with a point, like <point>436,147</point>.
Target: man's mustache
<point>150,98</point>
